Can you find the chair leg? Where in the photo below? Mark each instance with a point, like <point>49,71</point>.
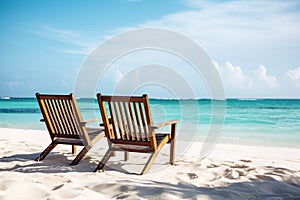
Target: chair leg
<point>150,162</point>
<point>80,155</point>
<point>106,157</point>
<point>172,152</point>
<point>172,146</point>
<point>126,155</point>
<point>74,149</point>
<point>46,152</point>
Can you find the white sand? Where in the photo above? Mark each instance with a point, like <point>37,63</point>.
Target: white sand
<point>229,172</point>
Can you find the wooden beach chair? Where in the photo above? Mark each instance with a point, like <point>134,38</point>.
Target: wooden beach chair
<point>129,127</point>
<point>64,122</point>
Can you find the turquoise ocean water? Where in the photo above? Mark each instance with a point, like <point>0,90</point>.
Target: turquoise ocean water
<point>265,122</point>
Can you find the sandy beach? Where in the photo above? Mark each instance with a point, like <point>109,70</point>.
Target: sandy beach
<point>229,172</point>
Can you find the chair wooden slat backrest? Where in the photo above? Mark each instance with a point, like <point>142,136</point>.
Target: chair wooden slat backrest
<point>61,115</point>
<point>129,127</point>
<point>130,119</point>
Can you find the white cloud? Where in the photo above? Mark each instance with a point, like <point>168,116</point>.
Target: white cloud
<point>265,79</point>
<point>222,27</point>
<point>238,82</point>
<point>294,75</point>
<point>234,77</point>
<point>62,35</point>
<point>234,18</point>
<point>80,43</point>
<point>244,30</point>
<point>229,24</point>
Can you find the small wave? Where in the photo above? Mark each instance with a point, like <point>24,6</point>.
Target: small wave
<point>5,97</point>
<point>247,99</point>
<point>19,110</point>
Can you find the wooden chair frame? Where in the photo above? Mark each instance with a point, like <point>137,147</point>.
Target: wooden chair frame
<point>65,125</point>
<point>129,127</point>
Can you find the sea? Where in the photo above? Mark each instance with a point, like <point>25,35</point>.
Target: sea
<point>260,122</point>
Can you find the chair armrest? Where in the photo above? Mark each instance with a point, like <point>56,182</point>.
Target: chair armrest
<point>83,123</point>
<point>160,125</point>
<point>42,120</point>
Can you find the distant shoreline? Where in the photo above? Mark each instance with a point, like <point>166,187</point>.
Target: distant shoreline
<point>151,98</point>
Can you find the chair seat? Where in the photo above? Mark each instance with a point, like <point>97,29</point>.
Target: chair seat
<point>94,132</point>
<point>138,148</point>
<point>161,136</point>
<point>61,140</point>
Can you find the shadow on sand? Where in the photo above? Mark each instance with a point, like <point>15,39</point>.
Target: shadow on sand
<point>263,187</point>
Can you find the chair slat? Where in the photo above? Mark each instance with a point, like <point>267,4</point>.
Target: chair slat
<point>131,127</point>
<point>112,116</point>
<point>118,123</point>
<point>124,120</point>
<point>145,135</point>
<point>138,121</point>
<point>147,110</point>
<point>133,122</point>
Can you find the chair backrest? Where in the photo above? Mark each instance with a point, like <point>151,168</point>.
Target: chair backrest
<point>61,115</point>
<point>127,119</point>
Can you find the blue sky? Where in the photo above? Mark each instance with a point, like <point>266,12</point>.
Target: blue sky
<point>254,44</point>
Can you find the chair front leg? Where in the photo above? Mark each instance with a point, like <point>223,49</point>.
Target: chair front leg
<point>46,152</point>
<point>106,157</point>
<point>173,144</point>
<point>80,155</point>
<point>150,162</point>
